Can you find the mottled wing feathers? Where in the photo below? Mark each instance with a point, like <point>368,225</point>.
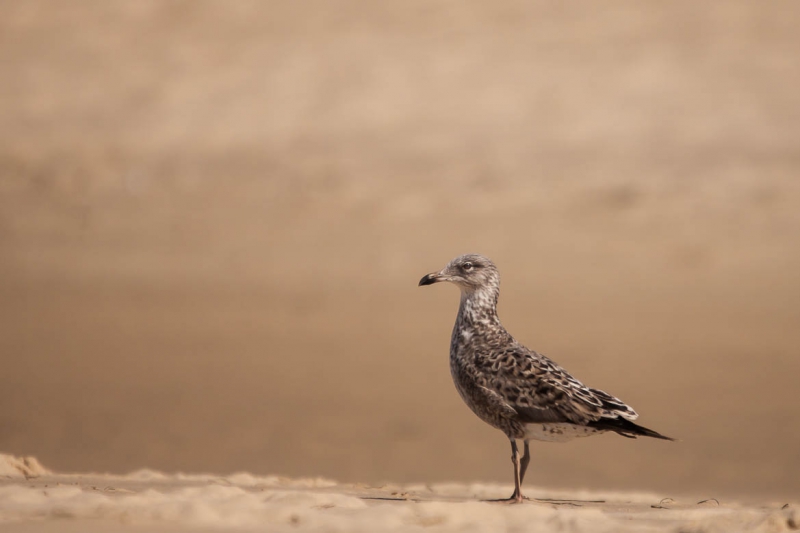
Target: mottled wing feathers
<point>615,405</point>
<point>497,403</point>
<point>541,391</point>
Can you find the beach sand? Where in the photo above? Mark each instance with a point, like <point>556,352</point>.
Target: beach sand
<point>33,499</point>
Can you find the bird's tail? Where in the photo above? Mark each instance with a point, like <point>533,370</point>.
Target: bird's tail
<point>626,428</point>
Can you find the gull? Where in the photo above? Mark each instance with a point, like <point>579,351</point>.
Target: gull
<point>512,388</point>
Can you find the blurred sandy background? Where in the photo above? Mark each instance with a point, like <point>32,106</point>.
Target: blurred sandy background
<point>213,217</point>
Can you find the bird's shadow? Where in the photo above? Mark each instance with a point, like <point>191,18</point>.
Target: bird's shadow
<point>507,501</point>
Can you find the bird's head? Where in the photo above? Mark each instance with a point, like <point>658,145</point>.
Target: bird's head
<point>471,272</point>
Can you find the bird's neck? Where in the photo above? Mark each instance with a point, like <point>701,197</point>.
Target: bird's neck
<point>479,304</point>
<point>477,317</point>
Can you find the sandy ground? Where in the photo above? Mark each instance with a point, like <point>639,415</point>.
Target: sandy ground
<point>33,499</point>
<point>213,217</point>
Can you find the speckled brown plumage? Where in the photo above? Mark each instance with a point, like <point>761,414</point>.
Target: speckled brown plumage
<point>517,390</point>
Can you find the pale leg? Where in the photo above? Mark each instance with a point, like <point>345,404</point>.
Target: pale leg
<point>526,458</point>
<point>515,458</point>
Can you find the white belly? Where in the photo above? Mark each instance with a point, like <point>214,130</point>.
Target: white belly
<point>558,432</point>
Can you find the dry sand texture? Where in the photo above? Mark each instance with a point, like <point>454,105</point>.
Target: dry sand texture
<point>213,216</point>
<point>33,499</point>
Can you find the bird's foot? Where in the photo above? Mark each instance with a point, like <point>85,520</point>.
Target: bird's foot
<point>515,498</point>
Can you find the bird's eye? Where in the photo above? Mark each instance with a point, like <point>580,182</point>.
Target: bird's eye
<point>467,266</point>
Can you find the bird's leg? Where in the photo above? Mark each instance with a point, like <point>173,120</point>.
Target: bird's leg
<point>526,458</point>
<point>517,496</point>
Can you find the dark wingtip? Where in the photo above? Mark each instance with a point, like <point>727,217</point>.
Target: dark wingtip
<point>626,428</point>
<point>657,435</point>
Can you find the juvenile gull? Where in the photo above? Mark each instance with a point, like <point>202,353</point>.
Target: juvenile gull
<point>520,392</point>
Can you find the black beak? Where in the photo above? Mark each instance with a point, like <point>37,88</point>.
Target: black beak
<point>429,279</point>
